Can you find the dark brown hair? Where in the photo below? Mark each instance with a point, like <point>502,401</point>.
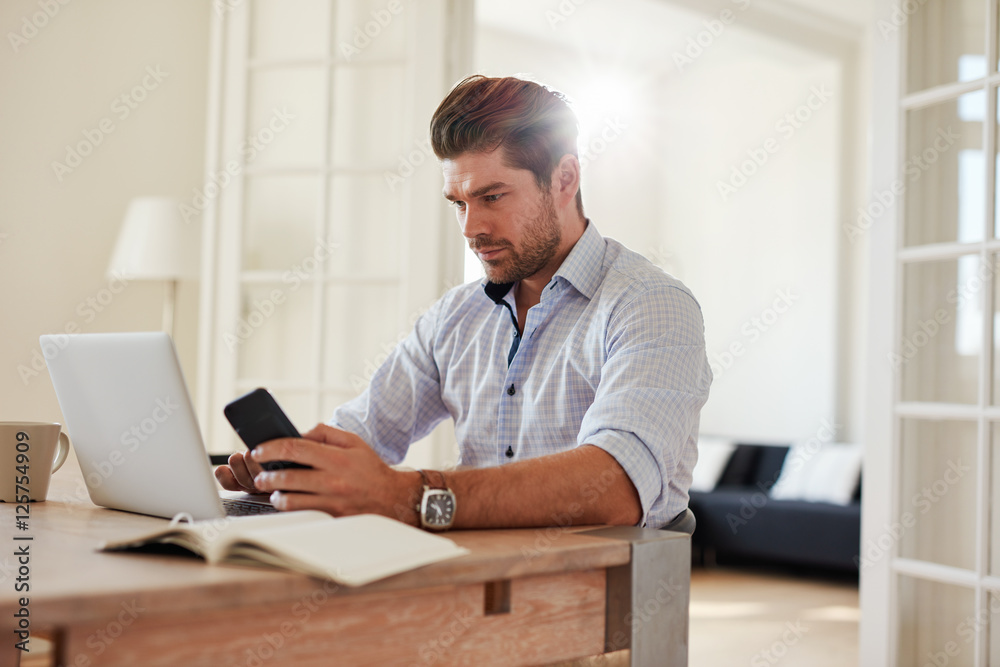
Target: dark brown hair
<point>533,125</point>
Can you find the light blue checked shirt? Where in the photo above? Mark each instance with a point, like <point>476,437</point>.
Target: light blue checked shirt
<point>613,356</point>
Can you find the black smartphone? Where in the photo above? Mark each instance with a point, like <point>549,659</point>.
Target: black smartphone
<point>257,418</point>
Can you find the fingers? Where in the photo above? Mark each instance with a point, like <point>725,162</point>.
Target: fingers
<point>300,450</point>
<point>225,477</point>
<point>243,470</point>
<point>291,502</point>
<point>331,436</point>
<point>308,481</point>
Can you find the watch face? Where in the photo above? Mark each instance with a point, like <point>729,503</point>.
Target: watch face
<point>439,508</point>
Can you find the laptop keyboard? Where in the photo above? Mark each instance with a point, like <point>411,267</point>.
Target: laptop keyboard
<point>235,507</point>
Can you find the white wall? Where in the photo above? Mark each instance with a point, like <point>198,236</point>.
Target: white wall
<point>761,257</point>
<point>56,237</point>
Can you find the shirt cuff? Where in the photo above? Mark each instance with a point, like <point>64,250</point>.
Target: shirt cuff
<point>638,462</point>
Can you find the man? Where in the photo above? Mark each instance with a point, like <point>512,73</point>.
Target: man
<point>575,374</point>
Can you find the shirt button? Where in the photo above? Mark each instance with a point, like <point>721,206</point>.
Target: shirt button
<point>511,391</point>
<point>509,453</point>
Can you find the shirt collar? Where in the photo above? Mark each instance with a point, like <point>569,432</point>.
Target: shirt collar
<point>582,268</point>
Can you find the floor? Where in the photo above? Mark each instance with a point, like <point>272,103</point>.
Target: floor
<point>764,617</point>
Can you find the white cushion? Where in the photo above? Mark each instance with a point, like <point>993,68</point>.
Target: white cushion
<point>713,455</point>
<point>819,472</point>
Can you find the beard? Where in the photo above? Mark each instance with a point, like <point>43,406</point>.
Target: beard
<point>540,243</point>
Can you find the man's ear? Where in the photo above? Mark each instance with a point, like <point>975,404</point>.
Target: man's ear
<point>566,181</point>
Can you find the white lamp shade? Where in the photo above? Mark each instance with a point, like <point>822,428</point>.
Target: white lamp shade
<point>155,243</point>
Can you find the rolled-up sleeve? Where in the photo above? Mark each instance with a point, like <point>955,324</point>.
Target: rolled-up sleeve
<point>654,382</point>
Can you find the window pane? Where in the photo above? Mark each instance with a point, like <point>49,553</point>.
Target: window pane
<point>938,348</point>
<point>937,504</point>
<point>370,30</point>
<point>984,273</point>
<point>368,115</point>
<point>994,539</point>
<point>285,125</point>
<point>996,174</point>
<point>365,220</point>
<point>944,172</point>
<point>299,406</point>
<point>290,28</point>
<point>994,619</point>
<point>929,614</point>
<point>281,214</point>
<point>946,40</point>
<point>274,334</point>
<point>363,325</point>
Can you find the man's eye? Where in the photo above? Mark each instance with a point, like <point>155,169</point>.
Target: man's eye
<point>458,204</point>
<point>490,199</point>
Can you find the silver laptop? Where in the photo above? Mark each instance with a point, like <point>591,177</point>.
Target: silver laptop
<point>129,416</point>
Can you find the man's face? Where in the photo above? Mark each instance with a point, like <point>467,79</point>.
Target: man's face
<point>510,223</point>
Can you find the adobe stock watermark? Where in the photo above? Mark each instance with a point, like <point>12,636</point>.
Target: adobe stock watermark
<point>271,642</point>
<point>966,630</point>
<point>875,549</point>
<point>610,132</point>
<point>435,650</point>
<point>363,35</point>
<point>408,163</point>
<point>592,491</point>
<point>913,169</point>
<point>223,7</point>
<point>263,309</point>
<point>88,309</point>
<point>99,641</point>
<point>414,158</point>
<point>786,127</point>
<point>752,330</point>
<point>698,44</point>
<point>252,146</point>
<point>121,107</point>
<point>927,329</point>
<point>562,12</point>
<point>645,610</point>
<point>779,648</point>
<point>900,14</point>
<point>130,440</point>
<point>31,25</point>
<point>801,455</point>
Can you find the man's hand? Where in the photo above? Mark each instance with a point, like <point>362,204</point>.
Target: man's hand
<point>347,477</point>
<point>239,474</point>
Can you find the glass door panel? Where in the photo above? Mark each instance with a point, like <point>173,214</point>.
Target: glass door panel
<point>943,165</point>
<point>937,503</point>
<point>366,221</point>
<point>945,42</point>
<point>368,112</point>
<point>938,351</point>
<point>929,615</point>
<point>359,351</point>
<point>285,123</point>
<point>370,30</point>
<point>286,29</point>
<point>274,334</point>
<point>280,221</point>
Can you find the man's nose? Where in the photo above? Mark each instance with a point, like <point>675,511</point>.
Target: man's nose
<point>475,224</point>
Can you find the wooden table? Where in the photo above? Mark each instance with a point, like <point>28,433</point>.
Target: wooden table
<point>522,597</point>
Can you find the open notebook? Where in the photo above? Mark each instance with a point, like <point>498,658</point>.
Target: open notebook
<point>352,550</point>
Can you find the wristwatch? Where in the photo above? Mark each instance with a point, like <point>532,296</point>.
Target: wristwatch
<point>437,506</point>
